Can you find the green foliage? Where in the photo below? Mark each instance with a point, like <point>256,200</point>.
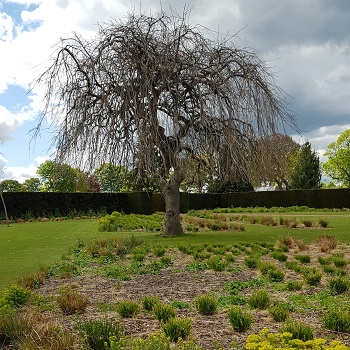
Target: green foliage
<point>279,256</point>
<point>294,285</point>
<point>58,177</point>
<point>267,340</point>
<point>240,320</point>
<point>97,333</point>
<point>339,285</point>
<point>176,328</point>
<point>234,287</point>
<point>121,222</point>
<point>15,296</point>
<point>338,164</point>
<point>180,304</point>
<point>279,312</point>
<point>163,313</point>
<point>71,301</point>
<point>260,299</point>
<point>112,178</point>
<point>206,304</point>
<point>127,308</point>
<point>11,186</point>
<point>307,171</point>
<point>337,320</point>
<point>148,302</point>
<point>32,185</point>
<point>217,264</point>
<point>299,330</point>
<point>312,276</point>
<point>304,259</point>
<point>251,261</point>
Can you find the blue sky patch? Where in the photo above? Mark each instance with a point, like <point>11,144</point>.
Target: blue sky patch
<point>14,98</point>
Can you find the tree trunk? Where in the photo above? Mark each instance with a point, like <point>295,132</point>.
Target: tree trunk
<point>171,192</point>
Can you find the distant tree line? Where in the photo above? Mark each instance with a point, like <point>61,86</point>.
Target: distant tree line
<point>284,164</point>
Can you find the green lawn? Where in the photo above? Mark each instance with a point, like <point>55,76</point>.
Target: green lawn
<point>25,247</point>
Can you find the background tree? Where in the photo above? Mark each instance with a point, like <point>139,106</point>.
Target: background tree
<point>154,90</point>
<point>276,154</point>
<point>32,185</point>
<point>10,186</point>
<point>338,164</point>
<point>57,177</point>
<point>112,178</point>
<point>307,171</point>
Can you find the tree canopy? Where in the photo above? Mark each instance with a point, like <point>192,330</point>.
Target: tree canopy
<point>153,93</point>
<point>307,171</point>
<point>338,164</point>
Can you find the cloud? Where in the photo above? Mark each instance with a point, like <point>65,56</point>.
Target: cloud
<point>19,173</point>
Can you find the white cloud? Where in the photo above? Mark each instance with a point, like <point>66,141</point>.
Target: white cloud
<point>19,173</point>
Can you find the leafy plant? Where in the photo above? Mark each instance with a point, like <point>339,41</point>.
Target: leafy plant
<point>299,330</point>
<point>259,299</point>
<point>128,308</point>
<point>251,262</point>
<point>206,304</point>
<point>240,320</point>
<point>176,328</point>
<point>71,301</point>
<point>16,296</point>
<point>163,313</point>
<point>217,264</point>
<point>97,333</point>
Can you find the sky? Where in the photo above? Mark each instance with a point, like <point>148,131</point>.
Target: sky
<point>306,44</point>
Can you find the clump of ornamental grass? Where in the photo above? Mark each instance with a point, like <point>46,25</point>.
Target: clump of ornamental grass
<point>337,320</point>
<point>259,299</point>
<point>163,313</point>
<point>240,320</point>
<point>149,302</point>
<point>128,308</point>
<point>279,312</point>
<point>71,301</point>
<point>177,328</point>
<point>339,285</point>
<point>299,330</point>
<point>97,333</point>
<point>206,304</point>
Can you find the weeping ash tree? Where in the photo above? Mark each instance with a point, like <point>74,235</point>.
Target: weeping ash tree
<point>153,93</point>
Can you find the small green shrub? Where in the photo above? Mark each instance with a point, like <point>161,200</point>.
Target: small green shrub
<point>16,296</point>
<point>259,299</point>
<point>240,320</point>
<point>266,267</point>
<point>307,223</point>
<point>337,320</point>
<point>279,256</point>
<point>97,333</point>
<point>293,265</point>
<point>312,276</point>
<point>299,330</point>
<point>293,285</point>
<point>159,251</point>
<point>71,301</point>
<point>148,302</point>
<point>267,340</point>
<point>206,304</point>
<point>176,328</point>
<point>163,313</point>
<point>339,262</point>
<point>217,264</point>
<point>323,223</point>
<point>339,285</point>
<point>329,269</point>
<point>276,275</point>
<point>128,308</point>
<point>304,259</point>
<point>279,312</point>
<point>251,262</point>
